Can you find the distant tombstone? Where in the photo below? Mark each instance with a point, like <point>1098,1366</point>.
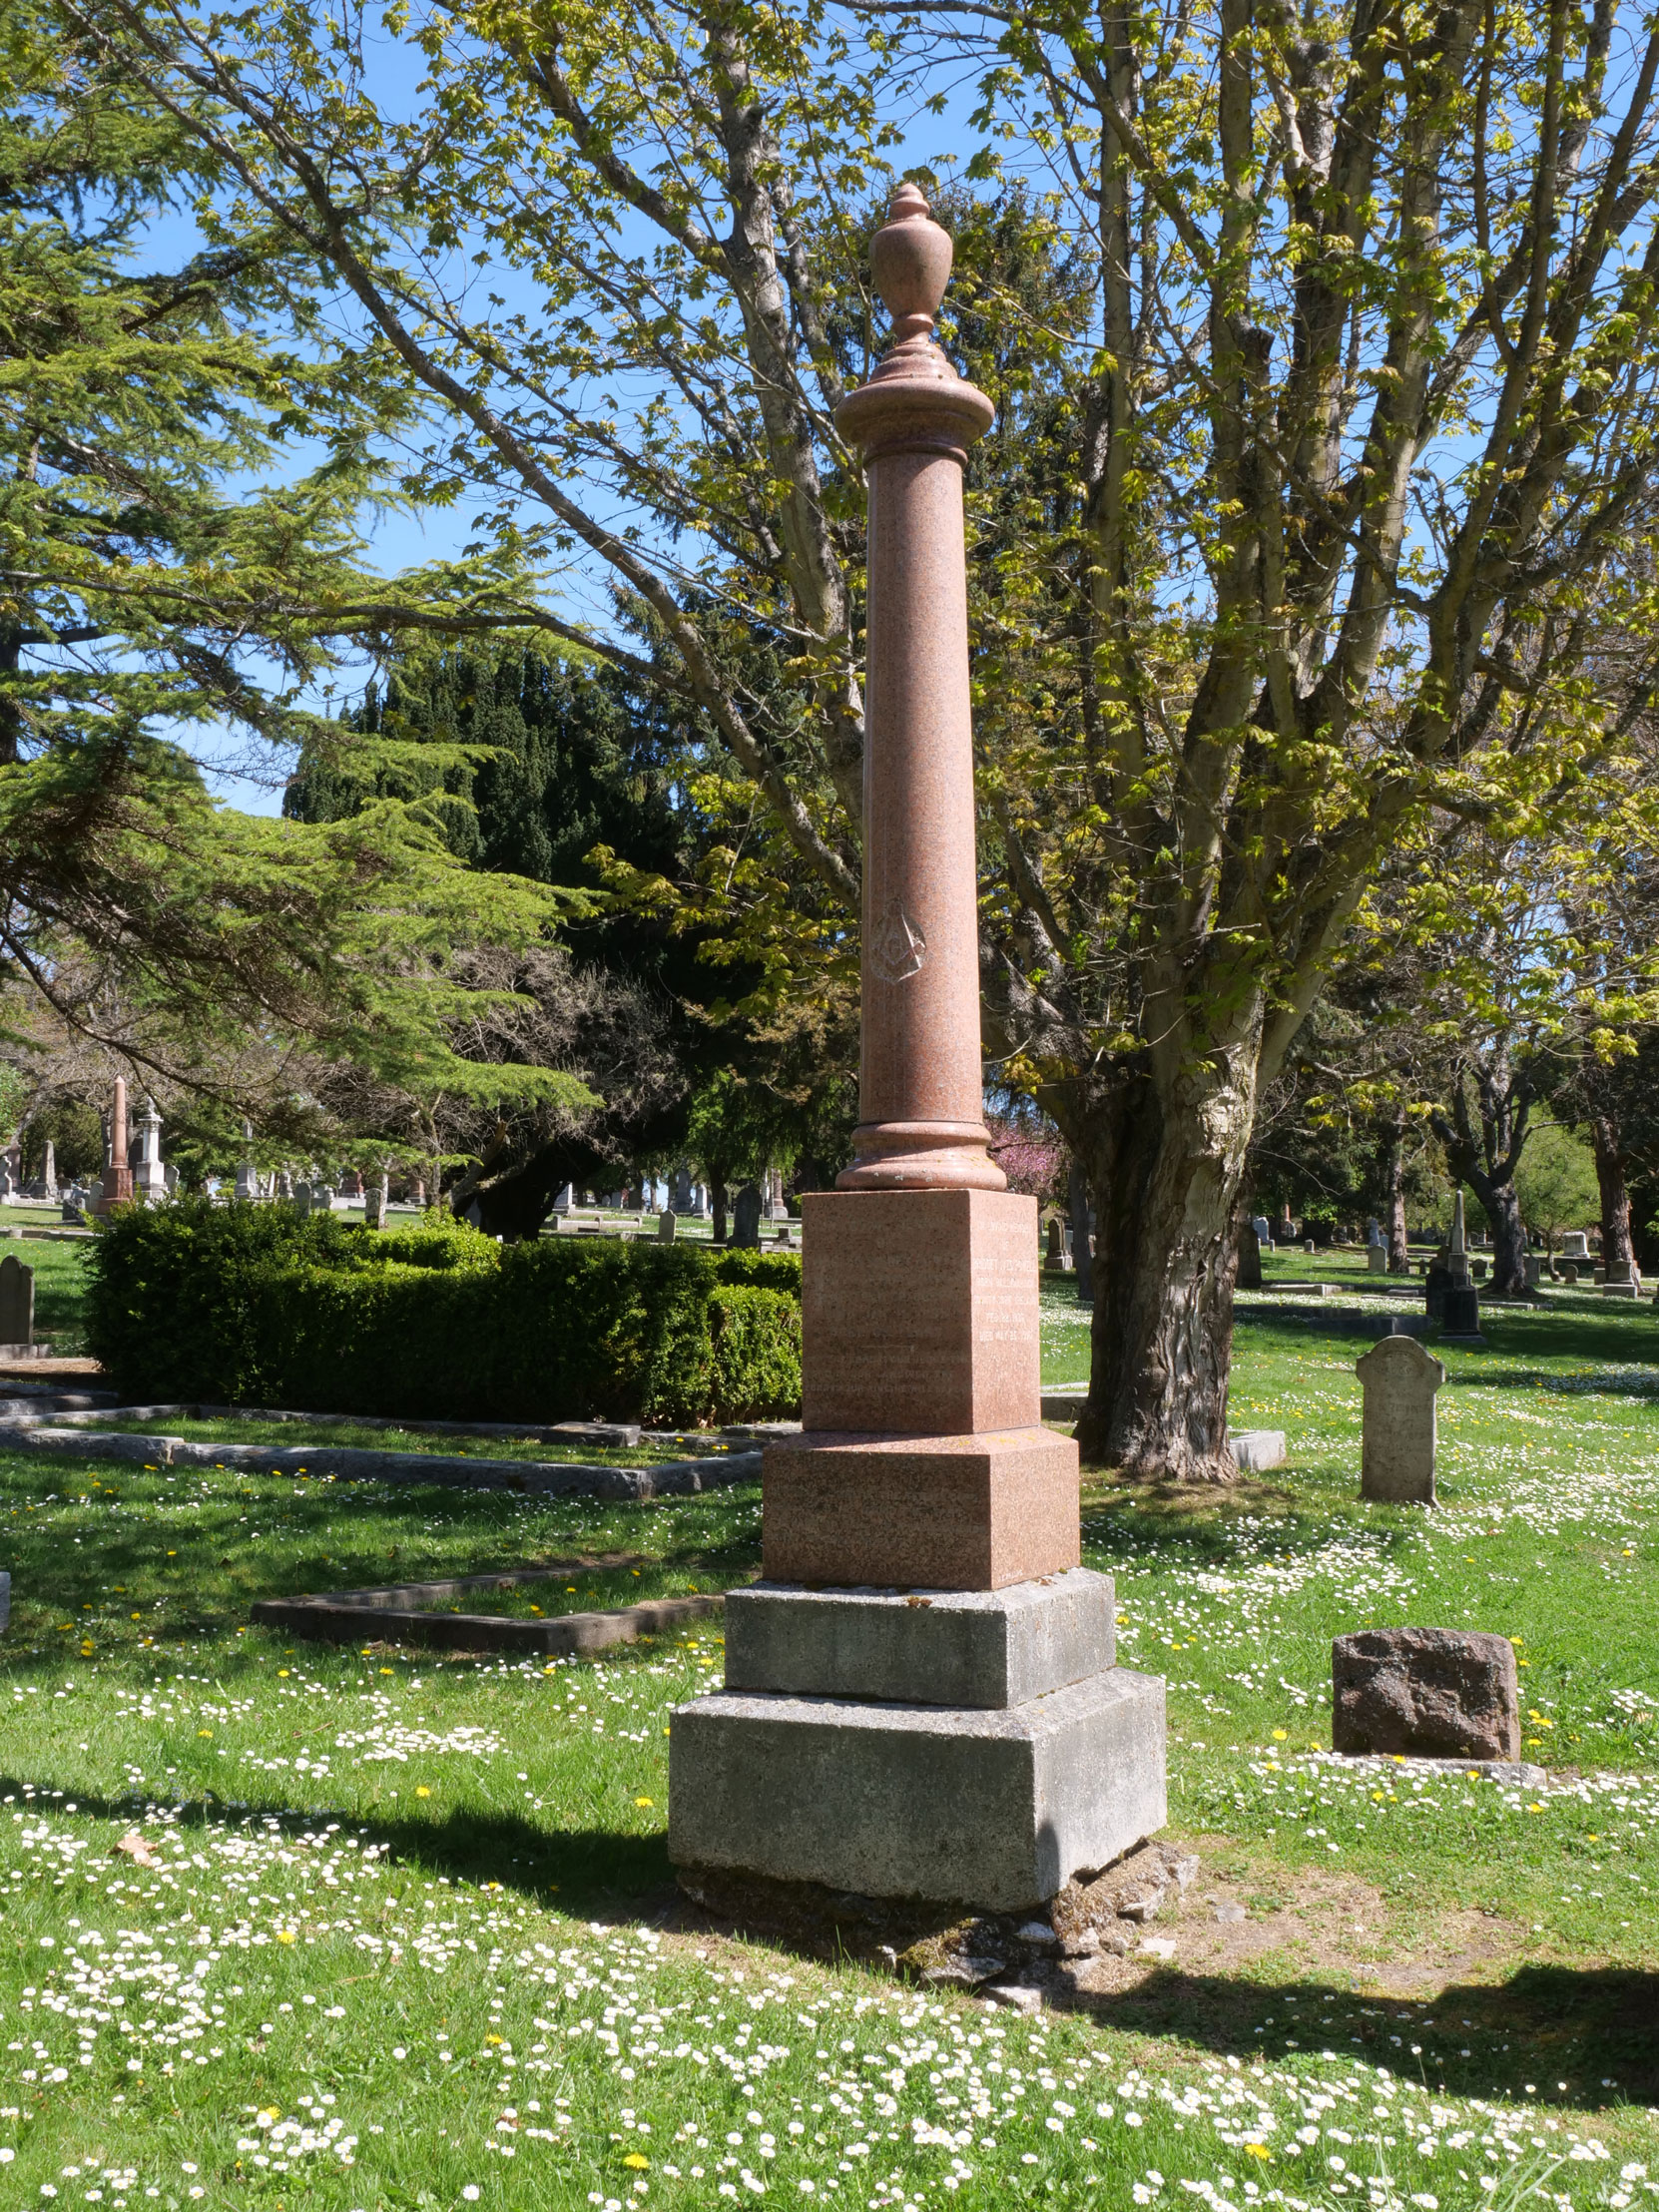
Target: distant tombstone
<point>745,1216</point>
<point>1307,1243</point>
<point>285,1183</point>
<point>246,1181</point>
<point>170,1180</point>
<point>352,1184</point>
<point>1376,1258</point>
<point>1569,1274</point>
<point>302,1197</point>
<point>8,1185</point>
<point>679,1195</point>
<point>1054,1256</point>
<point>1575,1245</point>
<point>1396,1460</point>
<point>49,1170</point>
<point>1249,1277</point>
<point>1534,1269</point>
<point>700,1202</point>
<point>1374,1231</point>
<point>17,1302</point>
<point>666,1226</point>
<point>322,1198</point>
<point>1263,1230</point>
<point>1477,1268</point>
<point>1460,1315</point>
<point>565,1200</point>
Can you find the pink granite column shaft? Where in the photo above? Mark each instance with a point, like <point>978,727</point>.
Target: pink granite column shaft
<point>921,1113</point>
<point>118,1181</point>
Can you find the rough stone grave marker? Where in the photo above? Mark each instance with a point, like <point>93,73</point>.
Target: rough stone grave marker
<point>1397,1458</point>
<point>666,1224</point>
<point>1444,1693</point>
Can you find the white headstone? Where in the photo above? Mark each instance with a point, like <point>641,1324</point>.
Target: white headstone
<point>666,1226</point>
<point>1376,1258</point>
<point>1575,1245</point>
<point>1400,1380</point>
<point>149,1177</point>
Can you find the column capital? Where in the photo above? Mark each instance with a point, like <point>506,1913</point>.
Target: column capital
<point>915,402</point>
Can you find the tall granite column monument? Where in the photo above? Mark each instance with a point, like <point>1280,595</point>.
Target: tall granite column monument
<point>920,1695</point>
<point>117,1175</point>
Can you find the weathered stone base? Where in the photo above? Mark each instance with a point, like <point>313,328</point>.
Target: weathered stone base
<point>985,1648</point>
<point>997,1809</point>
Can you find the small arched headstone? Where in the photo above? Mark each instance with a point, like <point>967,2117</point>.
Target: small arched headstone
<point>1396,1460</point>
<point>17,1302</point>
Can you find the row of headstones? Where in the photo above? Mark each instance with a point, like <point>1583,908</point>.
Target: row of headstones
<point>151,1178</point>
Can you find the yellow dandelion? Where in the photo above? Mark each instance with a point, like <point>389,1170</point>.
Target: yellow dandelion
<point>642,1801</point>
<point>638,2161</point>
<point>422,1790</point>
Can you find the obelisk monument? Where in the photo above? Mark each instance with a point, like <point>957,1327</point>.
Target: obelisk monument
<point>920,1696</point>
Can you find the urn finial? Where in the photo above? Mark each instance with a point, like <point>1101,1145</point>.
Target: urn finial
<point>909,257</point>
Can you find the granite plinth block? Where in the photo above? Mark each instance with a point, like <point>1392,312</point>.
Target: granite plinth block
<point>997,1810</point>
<point>980,1648</point>
<point>919,1311</point>
<point>955,1512</point>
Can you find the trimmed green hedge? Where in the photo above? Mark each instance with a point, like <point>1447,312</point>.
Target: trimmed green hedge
<point>255,1305</point>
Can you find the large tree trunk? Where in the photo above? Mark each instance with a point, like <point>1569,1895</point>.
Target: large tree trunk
<point>1393,1197</point>
<point>1617,1253</point>
<point>1077,1197</point>
<point>717,1201</point>
<point>1485,1159</point>
<point>1503,1211</point>
<point>1166,1171</point>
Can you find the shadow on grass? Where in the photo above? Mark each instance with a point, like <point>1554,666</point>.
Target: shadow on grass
<point>578,1870</point>
<point>1594,2029</point>
<point>1202,1525</point>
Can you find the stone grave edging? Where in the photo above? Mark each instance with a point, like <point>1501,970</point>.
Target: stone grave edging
<point>344,1616</point>
<point>674,1479</point>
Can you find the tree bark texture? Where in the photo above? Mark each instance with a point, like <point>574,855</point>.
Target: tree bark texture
<point>1483,1147</point>
<point>1617,1252</point>
<point>1167,1171</point>
<point>1393,1197</point>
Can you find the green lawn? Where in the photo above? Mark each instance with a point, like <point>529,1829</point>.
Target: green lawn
<point>400,1932</point>
<point>58,1282</point>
